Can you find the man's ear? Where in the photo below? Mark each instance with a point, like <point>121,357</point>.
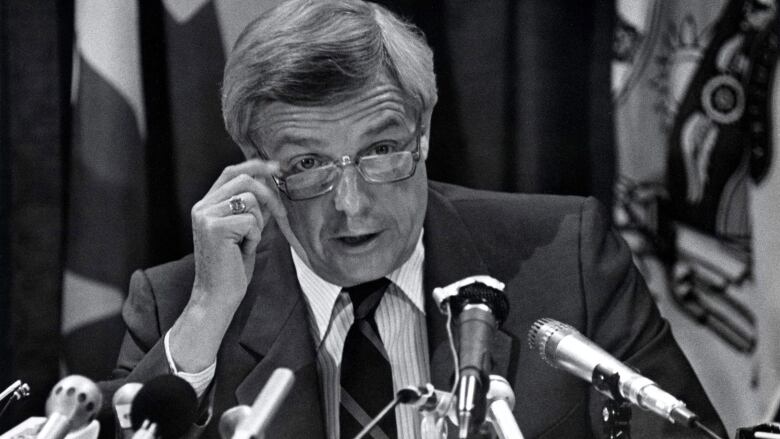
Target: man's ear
<point>424,144</point>
<point>426,134</point>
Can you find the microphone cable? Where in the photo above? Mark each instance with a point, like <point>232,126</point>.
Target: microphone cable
<point>705,430</point>
<point>454,352</point>
<point>5,406</point>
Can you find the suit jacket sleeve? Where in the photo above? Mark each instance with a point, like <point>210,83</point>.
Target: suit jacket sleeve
<point>621,317</point>
<point>142,355</point>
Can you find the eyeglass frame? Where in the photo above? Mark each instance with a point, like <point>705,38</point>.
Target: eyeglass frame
<point>346,160</point>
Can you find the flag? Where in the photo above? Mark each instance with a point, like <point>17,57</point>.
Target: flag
<point>107,207</point>
<point>148,142</point>
<point>693,87</point>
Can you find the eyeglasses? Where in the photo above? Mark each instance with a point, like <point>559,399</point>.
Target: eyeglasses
<point>373,166</point>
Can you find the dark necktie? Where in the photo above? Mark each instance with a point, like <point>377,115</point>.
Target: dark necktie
<point>366,377</point>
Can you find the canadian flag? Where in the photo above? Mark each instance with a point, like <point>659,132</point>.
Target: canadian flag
<point>148,142</point>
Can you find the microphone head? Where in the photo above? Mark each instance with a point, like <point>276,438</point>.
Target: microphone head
<point>77,398</point>
<point>544,336</point>
<point>231,418</point>
<point>443,295</point>
<point>168,401</point>
<point>122,402</point>
<point>266,404</point>
<point>479,292</point>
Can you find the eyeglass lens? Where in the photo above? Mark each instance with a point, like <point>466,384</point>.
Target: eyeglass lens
<point>384,168</point>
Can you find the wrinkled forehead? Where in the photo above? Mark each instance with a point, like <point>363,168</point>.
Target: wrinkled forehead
<point>375,107</point>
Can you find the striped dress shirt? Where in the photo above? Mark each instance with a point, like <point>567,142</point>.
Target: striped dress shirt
<point>400,319</point>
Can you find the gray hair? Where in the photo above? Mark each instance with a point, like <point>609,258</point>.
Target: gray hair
<point>320,52</point>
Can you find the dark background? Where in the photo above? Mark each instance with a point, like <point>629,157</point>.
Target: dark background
<point>524,106</point>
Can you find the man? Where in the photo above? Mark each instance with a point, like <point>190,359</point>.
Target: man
<point>320,252</point>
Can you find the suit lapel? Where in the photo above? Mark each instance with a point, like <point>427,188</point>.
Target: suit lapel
<point>451,255</point>
<point>276,330</point>
<point>277,333</point>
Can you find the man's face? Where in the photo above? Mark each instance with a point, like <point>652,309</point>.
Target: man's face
<point>359,231</point>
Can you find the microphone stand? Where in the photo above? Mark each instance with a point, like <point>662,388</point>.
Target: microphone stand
<point>617,410</point>
<point>763,431</point>
<point>501,401</point>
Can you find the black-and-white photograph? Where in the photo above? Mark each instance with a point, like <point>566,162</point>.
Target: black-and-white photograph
<point>416,219</point>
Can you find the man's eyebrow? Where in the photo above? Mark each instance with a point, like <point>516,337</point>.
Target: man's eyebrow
<point>392,122</point>
<point>293,139</point>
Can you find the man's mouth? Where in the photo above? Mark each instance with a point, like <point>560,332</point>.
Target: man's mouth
<point>357,240</point>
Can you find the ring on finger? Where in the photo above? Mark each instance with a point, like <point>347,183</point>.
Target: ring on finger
<point>237,205</point>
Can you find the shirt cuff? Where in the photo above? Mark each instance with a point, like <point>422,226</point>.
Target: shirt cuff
<point>199,380</point>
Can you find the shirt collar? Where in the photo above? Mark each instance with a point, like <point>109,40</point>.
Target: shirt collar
<point>322,295</point>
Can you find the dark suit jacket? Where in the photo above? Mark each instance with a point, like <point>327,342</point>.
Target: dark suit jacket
<point>557,258</point>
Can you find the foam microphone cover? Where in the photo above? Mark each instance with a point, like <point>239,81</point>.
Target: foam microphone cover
<point>168,401</point>
<point>477,293</point>
<point>72,404</point>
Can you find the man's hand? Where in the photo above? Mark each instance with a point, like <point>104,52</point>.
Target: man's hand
<point>224,243</point>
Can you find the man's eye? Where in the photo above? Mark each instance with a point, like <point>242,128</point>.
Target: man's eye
<point>382,149</point>
<point>305,164</point>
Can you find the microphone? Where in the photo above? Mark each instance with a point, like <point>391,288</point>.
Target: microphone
<point>17,389</point>
<point>72,404</point>
<point>122,403</point>
<point>167,401</point>
<point>563,347</point>
<point>435,405</point>
<point>265,405</point>
<point>230,419</point>
<point>480,305</point>
<point>14,392</point>
<point>148,430</point>
<point>427,399</point>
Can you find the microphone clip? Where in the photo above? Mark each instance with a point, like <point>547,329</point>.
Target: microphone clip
<point>607,383</point>
<point>616,413</point>
<point>442,295</point>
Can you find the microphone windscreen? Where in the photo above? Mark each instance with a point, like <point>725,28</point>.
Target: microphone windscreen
<point>76,398</point>
<point>168,401</point>
<point>479,292</point>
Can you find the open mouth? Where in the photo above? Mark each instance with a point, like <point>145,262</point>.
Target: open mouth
<point>358,240</point>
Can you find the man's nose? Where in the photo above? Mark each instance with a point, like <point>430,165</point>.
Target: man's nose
<point>350,197</point>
